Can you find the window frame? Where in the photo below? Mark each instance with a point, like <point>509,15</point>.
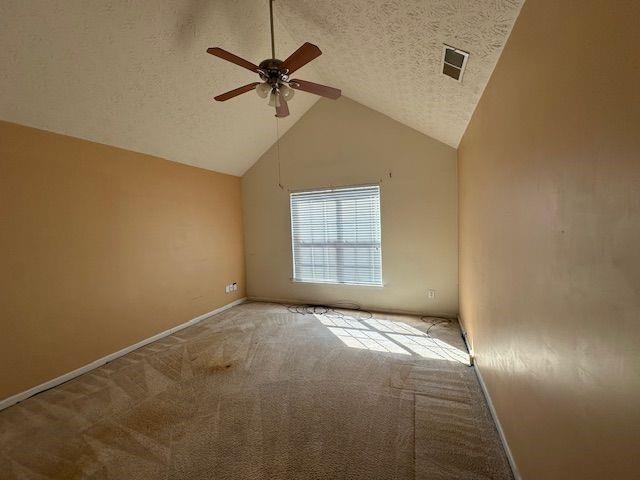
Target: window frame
<point>291,239</point>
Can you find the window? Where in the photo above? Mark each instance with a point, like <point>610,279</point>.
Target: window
<point>335,236</point>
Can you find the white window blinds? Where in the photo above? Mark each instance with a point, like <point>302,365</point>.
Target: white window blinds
<point>336,236</point>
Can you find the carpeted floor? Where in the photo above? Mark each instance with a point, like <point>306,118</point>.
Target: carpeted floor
<point>259,392</point>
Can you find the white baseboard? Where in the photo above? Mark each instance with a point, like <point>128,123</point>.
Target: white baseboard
<point>7,402</point>
<point>503,439</point>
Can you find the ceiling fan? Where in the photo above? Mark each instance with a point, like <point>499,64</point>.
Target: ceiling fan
<point>276,75</point>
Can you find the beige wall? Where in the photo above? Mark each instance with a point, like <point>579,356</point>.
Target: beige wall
<point>550,239</point>
<point>344,143</point>
<point>101,248</point>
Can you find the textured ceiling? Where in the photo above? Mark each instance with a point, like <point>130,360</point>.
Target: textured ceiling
<point>387,54</point>
<point>136,75</point>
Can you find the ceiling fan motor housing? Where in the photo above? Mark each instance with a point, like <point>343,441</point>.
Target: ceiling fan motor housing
<point>271,71</point>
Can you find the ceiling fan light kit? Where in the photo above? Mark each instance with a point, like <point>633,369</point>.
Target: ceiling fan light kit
<point>275,75</point>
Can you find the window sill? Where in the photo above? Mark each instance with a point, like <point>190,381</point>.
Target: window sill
<point>367,285</point>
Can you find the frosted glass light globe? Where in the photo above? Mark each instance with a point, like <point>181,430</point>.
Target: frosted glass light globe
<point>263,90</point>
<point>287,92</point>
<point>274,99</point>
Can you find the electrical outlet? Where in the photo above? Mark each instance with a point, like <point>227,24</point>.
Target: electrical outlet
<point>431,293</point>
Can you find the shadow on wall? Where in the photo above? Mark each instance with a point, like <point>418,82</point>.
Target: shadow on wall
<point>390,337</point>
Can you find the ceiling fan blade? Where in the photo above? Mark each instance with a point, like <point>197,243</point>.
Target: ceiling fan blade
<point>283,110</point>
<point>316,88</point>
<point>235,92</point>
<point>301,57</point>
<point>230,57</point>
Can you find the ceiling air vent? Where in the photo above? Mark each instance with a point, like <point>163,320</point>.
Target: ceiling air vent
<point>453,62</point>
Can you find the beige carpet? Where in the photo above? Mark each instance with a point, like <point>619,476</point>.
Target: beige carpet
<point>259,392</point>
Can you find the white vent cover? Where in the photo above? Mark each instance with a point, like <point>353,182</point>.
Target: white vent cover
<point>454,62</point>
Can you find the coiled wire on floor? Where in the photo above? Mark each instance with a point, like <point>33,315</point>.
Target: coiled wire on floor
<point>331,310</point>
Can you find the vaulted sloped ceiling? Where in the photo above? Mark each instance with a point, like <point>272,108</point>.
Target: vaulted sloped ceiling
<point>136,74</point>
<point>387,54</point>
